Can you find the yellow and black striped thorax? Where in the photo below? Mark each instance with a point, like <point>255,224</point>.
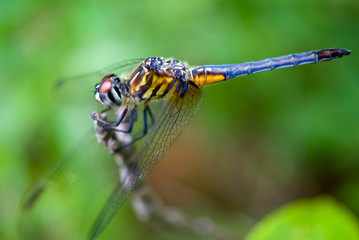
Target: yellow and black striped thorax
<point>155,77</point>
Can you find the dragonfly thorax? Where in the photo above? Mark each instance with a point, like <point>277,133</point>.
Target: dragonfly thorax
<point>155,77</point>
<point>110,91</point>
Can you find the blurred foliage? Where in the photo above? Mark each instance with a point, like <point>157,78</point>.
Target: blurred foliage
<point>259,142</point>
<point>319,218</point>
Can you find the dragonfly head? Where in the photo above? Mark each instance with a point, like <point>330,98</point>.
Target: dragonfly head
<point>109,91</point>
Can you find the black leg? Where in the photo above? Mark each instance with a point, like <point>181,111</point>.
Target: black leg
<point>132,120</point>
<point>179,86</point>
<point>146,111</point>
<point>145,120</point>
<point>123,114</point>
<point>105,110</point>
<point>142,133</point>
<point>129,120</point>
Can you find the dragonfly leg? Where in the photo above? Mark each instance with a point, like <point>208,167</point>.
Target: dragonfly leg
<point>105,110</point>
<point>146,112</point>
<point>120,119</point>
<point>179,87</point>
<point>132,120</point>
<point>126,120</point>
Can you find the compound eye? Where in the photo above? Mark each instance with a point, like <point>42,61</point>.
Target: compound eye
<point>106,84</point>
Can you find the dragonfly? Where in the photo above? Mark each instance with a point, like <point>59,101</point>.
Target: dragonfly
<point>177,88</point>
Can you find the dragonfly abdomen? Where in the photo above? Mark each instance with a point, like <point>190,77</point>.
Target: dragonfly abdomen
<point>209,74</point>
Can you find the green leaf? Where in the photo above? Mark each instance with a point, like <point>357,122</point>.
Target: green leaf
<point>318,218</point>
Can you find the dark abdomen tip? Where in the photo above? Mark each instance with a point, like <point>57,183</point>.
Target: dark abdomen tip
<point>346,51</point>
<point>328,54</point>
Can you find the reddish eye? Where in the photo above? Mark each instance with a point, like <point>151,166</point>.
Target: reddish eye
<point>105,86</point>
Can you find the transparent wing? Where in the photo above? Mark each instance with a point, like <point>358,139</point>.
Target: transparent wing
<point>175,114</point>
<point>65,203</point>
<point>126,66</point>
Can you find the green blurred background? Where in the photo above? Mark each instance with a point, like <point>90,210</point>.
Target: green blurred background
<point>258,143</point>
